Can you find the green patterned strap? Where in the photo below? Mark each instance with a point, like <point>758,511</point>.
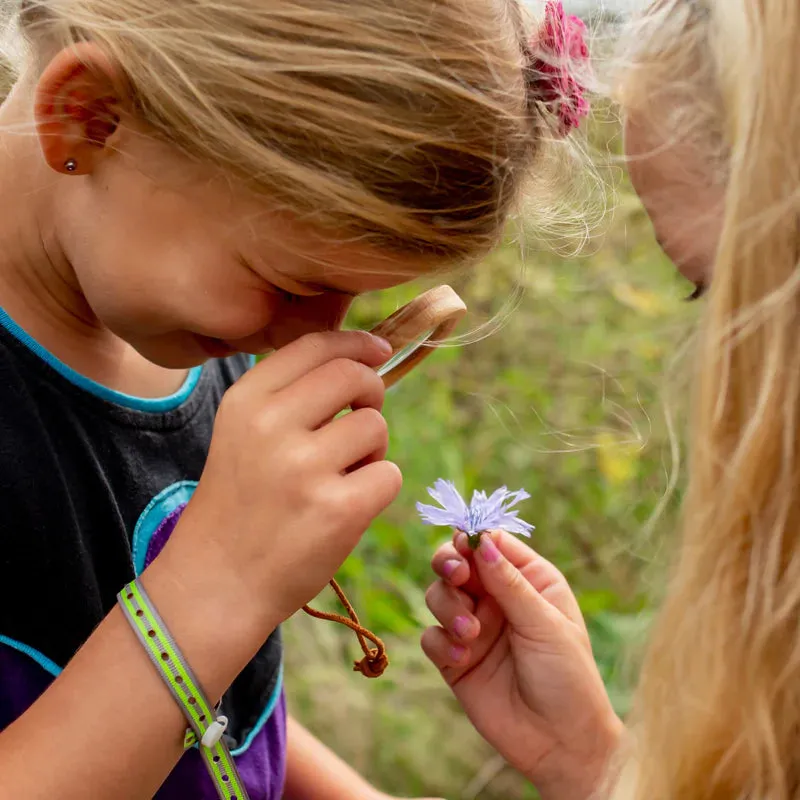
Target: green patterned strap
<point>205,726</point>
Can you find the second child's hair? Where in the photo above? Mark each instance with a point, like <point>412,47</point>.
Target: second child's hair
<point>407,126</point>
<point>717,715</point>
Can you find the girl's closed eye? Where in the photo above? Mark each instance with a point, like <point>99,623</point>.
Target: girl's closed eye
<point>288,297</point>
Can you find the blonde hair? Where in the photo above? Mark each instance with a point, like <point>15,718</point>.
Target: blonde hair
<point>718,708</point>
<point>408,126</point>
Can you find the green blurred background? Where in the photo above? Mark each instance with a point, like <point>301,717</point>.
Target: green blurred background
<point>577,399</point>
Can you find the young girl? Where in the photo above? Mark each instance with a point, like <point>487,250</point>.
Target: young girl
<point>183,183</point>
<point>713,136</point>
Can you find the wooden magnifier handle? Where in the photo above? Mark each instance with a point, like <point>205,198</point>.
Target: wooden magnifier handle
<point>433,315</point>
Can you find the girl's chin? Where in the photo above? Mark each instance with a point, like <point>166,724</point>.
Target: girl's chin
<point>183,350</point>
<point>215,348</point>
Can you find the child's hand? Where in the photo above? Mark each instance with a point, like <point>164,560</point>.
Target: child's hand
<point>514,648</point>
<point>288,490</point>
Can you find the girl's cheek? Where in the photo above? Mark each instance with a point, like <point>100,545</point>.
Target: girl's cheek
<point>242,317</point>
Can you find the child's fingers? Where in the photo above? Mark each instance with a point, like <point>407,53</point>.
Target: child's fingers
<point>455,568</point>
<point>358,438</point>
<point>311,352</point>
<point>461,542</point>
<point>454,611</point>
<point>450,565</point>
<point>449,656</point>
<point>446,651</point>
<point>371,489</point>
<point>523,606</point>
<point>516,550</point>
<point>544,576</point>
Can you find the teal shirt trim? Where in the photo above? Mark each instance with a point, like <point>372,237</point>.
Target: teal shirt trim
<point>269,708</point>
<point>153,405</point>
<point>158,509</point>
<point>40,658</point>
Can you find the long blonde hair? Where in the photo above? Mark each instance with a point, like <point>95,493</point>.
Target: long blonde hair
<point>405,125</point>
<point>718,708</point>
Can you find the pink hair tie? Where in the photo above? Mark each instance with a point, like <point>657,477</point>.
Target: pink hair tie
<point>555,49</point>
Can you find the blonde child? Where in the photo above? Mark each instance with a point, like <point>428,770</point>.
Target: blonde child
<point>183,183</point>
<point>710,96</point>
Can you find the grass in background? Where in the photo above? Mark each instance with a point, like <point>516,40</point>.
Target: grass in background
<point>566,401</point>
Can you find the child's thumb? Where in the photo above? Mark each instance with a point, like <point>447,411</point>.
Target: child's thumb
<point>521,604</point>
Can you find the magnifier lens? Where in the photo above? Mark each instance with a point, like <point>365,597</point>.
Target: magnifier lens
<point>404,353</point>
<point>417,329</point>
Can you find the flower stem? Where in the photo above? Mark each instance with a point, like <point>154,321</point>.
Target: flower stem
<point>474,540</point>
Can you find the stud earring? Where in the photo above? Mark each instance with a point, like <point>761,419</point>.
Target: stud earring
<point>70,165</point>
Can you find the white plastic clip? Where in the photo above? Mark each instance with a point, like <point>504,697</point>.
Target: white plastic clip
<point>214,732</point>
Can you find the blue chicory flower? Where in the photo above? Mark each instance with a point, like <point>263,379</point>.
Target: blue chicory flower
<point>482,514</point>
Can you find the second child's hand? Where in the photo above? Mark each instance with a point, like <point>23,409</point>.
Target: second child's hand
<point>514,648</point>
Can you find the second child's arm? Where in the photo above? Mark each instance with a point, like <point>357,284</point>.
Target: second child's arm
<point>314,772</point>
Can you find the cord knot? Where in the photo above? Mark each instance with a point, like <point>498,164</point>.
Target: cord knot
<point>372,665</point>
<point>375,660</point>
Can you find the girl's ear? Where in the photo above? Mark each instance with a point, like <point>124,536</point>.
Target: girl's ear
<point>77,108</point>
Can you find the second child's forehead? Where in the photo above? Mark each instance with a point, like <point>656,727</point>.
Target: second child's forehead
<point>654,148</point>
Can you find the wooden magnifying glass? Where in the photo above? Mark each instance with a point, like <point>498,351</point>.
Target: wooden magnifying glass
<point>416,330</point>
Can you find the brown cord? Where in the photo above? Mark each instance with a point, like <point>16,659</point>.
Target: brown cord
<point>375,660</point>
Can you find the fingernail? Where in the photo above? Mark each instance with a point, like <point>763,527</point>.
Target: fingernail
<point>450,566</point>
<point>461,626</point>
<point>489,551</point>
<point>383,344</point>
<point>457,653</point>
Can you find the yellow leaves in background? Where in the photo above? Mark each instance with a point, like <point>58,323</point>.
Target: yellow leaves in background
<point>649,350</point>
<point>645,302</point>
<point>617,459</point>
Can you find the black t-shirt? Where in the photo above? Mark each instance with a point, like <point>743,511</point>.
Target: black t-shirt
<point>92,483</point>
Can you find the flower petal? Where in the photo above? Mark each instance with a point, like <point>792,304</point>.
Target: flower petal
<point>445,493</point>
<point>516,497</point>
<point>495,502</point>
<point>440,517</point>
<point>484,512</point>
<point>513,525</point>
